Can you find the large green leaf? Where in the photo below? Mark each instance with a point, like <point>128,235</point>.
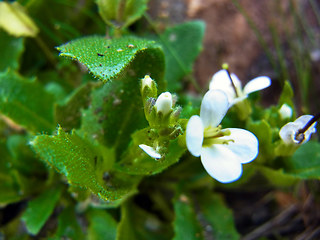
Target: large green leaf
<point>106,58</point>
<point>181,44</point>
<point>186,225</point>
<point>26,102</point>
<point>83,165</point>
<point>218,216</point>
<point>11,50</point>
<point>40,209</point>
<point>305,163</point>
<point>121,13</point>
<point>101,225</point>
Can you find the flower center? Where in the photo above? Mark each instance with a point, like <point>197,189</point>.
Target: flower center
<point>213,136</point>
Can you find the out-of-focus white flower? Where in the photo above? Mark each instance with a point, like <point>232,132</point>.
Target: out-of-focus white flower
<point>221,81</point>
<point>222,151</point>
<point>294,132</point>
<point>150,151</point>
<point>285,111</point>
<point>164,103</point>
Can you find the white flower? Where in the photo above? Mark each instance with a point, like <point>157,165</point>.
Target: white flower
<point>164,103</point>
<point>150,151</point>
<point>234,91</point>
<point>285,111</point>
<point>222,151</point>
<point>290,134</point>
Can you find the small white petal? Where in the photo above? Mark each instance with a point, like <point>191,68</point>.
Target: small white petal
<point>257,84</point>
<point>221,81</point>
<point>194,135</point>
<point>244,144</point>
<point>214,107</point>
<point>150,151</point>
<point>287,133</point>
<point>285,111</point>
<point>164,103</point>
<point>221,163</point>
<point>146,82</point>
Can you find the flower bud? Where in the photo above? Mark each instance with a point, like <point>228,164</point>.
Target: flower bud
<point>148,87</point>
<point>164,103</point>
<point>285,111</point>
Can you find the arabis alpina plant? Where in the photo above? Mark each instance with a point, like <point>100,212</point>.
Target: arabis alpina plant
<point>299,131</point>
<point>222,151</point>
<point>231,85</point>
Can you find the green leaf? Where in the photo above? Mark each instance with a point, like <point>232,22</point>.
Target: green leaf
<point>40,209</point>
<point>9,188</point>
<point>218,216</point>
<point>68,114</point>
<point>26,102</point>
<point>121,13</point>
<point>78,160</point>
<point>101,225</point>
<point>11,50</point>
<point>278,177</point>
<point>305,163</point>
<point>186,225</point>
<point>263,132</point>
<point>137,224</point>
<point>68,226</point>
<point>181,44</point>
<point>106,58</point>
<point>15,21</point>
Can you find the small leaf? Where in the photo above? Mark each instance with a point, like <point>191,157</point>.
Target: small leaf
<point>15,21</point>
<point>218,216</point>
<point>40,209</point>
<point>305,162</point>
<point>78,160</point>
<point>11,50</point>
<point>278,177</point>
<point>121,13</point>
<point>106,58</point>
<point>101,225</point>
<point>68,226</point>
<point>26,102</point>
<point>181,44</point>
<point>186,225</point>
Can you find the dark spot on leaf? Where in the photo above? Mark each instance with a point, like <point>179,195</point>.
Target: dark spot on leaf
<point>95,160</point>
<point>100,55</point>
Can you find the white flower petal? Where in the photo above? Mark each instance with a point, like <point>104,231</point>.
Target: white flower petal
<point>150,151</point>
<point>244,144</point>
<point>221,163</point>
<point>257,84</point>
<point>221,81</point>
<point>194,135</point>
<point>214,107</point>
<point>287,133</point>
